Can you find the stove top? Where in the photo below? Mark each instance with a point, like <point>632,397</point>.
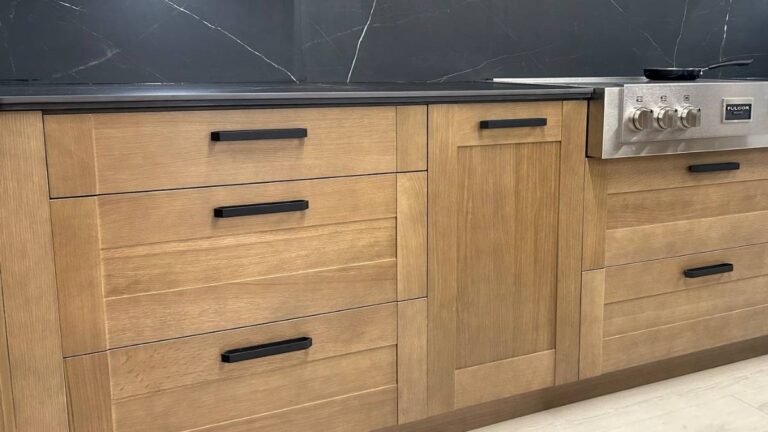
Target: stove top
<point>607,82</point>
<point>634,116</point>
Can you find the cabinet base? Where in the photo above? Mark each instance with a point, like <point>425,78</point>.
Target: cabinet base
<point>517,406</point>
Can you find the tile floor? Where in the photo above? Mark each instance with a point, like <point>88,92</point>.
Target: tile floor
<point>729,398</point>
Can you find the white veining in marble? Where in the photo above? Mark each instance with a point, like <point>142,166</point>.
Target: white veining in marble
<point>71,6</point>
<point>680,35</point>
<point>725,28</point>
<point>231,36</point>
<point>485,63</point>
<point>645,33</point>
<point>728,398</point>
<point>70,41</point>
<point>360,41</point>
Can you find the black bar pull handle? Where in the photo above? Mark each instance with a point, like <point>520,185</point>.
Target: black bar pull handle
<point>723,166</point>
<point>513,123</point>
<point>260,209</point>
<point>266,350</point>
<point>708,270</point>
<point>258,134</point>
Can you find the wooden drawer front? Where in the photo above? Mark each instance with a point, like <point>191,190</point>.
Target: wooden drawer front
<point>142,267</point>
<point>464,124</point>
<point>672,171</point>
<point>652,311</point>
<point>106,153</point>
<point>182,384</point>
<point>653,224</point>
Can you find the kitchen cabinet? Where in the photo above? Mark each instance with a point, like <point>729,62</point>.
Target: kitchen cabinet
<point>675,257</point>
<point>505,218</point>
<point>366,266</point>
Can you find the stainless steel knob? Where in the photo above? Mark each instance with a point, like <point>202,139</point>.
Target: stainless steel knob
<point>690,117</point>
<point>642,118</point>
<point>666,117</point>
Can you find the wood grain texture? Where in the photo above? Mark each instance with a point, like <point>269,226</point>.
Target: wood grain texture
<point>215,274</point>
<point>207,262</point>
<point>28,276</point>
<point>76,246</point>
<point>592,309</point>
<point>411,235</point>
<point>659,343</point>
<point>216,402</point>
<point>442,256</point>
<point>194,360</point>
<point>237,304</point>
<point>671,171</point>
<point>7,416</point>
<point>504,378</point>
<point>464,123</point>
<point>496,243</point>
<point>70,148</point>
<point>695,202</point>
<point>155,217</point>
<point>508,251</point>
<point>652,278</point>
<point>88,393</point>
<point>364,411</point>
<point>686,305</point>
<point>649,242</point>
<point>477,416</point>
<point>412,138</point>
<point>569,241</point>
<point>595,214</point>
<point>595,127</point>
<point>412,360</point>
<point>182,384</point>
<point>141,151</point>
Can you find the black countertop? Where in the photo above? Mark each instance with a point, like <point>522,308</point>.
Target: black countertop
<point>34,96</point>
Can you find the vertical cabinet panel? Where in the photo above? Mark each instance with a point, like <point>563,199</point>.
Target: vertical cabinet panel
<point>411,235</point>
<point>411,138</point>
<point>507,251</point>
<point>412,360</point>
<point>7,420</point>
<point>28,276</point>
<point>505,209</point>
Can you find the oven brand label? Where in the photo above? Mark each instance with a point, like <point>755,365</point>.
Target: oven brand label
<point>738,112</point>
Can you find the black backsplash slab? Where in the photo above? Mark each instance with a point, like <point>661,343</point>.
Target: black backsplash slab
<point>93,41</point>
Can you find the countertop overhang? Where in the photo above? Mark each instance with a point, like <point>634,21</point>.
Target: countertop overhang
<point>33,96</point>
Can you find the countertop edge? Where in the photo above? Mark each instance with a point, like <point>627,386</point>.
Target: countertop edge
<point>212,100</point>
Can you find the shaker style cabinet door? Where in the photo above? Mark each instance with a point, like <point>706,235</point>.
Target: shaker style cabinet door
<point>505,215</point>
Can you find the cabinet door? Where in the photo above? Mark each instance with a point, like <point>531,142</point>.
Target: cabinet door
<point>505,214</point>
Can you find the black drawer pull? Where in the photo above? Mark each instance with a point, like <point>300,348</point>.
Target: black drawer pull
<point>258,134</point>
<point>708,270</point>
<point>266,350</point>
<point>260,209</point>
<point>512,123</point>
<point>724,166</point>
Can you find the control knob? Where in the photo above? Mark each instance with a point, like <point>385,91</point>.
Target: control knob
<point>690,117</point>
<point>642,118</point>
<point>666,117</point>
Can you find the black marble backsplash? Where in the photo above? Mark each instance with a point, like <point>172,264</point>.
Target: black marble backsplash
<point>96,41</point>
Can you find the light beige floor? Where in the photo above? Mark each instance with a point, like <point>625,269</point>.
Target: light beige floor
<point>728,398</point>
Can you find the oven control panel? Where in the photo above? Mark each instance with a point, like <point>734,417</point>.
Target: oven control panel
<point>683,111</point>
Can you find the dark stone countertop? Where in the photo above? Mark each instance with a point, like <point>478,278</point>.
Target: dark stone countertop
<point>63,97</point>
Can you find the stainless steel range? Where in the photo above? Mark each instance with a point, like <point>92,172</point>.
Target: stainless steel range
<point>637,117</point>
